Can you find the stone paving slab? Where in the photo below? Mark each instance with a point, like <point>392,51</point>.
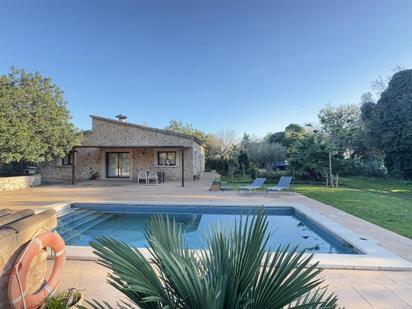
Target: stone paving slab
<point>357,289</point>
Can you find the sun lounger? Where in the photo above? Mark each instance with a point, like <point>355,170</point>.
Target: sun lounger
<point>255,185</point>
<point>283,184</point>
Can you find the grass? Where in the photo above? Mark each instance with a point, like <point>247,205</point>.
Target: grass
<point>387,203</point>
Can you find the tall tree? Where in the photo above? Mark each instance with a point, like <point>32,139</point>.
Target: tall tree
<point>293,133</point>
<point>264,153</point>
<point>310,155</point>
<point>277,137</point>
<point>221,143</point>
<point>389,124</point>
<point>342,124</point>
<point>186,128</point>
<point>34,121</point>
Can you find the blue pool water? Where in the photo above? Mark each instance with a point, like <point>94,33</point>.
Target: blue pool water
<point>85,222</point>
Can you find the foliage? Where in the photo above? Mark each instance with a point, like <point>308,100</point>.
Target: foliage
<point>264,153</point>
<point>235,270</point>
<point>34,121</point>
<point>245,142</point>
<point>179,127</point>
<point>233,166</point>
<point>309,155</point>
<point>221,144</point>
<point>271,176</point>
<point>218,165</point>
<point>389,124</point>
<point>293,133</point>
<point>342,124</point>
<point>277,137</point>
<point>385,202</point>
<point>63,300</point>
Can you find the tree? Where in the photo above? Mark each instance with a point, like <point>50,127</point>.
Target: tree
<point>277,137</point>
<point>234,271</point>
<point>264,153</point>
<point>342,124</point>
<point>221,143</point>
<point>310,155</point>
<point>245,142</point>
<point>179,127</point>
<point>34,121</point>
<point>389,124</point>
<point>380,84</point>
<point>293,132</point>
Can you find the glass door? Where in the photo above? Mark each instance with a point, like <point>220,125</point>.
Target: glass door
<point>117,164</point>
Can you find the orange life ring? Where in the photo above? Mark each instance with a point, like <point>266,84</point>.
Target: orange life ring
<point>17,285</point>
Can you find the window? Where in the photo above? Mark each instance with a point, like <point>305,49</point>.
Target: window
<point>117,164</point>
<point>68,159</point>
<point>166,158</point>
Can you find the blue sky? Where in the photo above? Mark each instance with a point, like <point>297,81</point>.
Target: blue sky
<point>251,66</point>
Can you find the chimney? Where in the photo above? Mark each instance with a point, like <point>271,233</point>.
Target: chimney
<point>121,117</point>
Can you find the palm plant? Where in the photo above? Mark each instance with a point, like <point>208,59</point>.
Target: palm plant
<point>233,271</point>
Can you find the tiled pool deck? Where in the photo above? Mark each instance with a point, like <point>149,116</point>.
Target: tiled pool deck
<point>355,288</point>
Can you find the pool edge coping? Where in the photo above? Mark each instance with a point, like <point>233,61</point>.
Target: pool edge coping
<point>375,257</point>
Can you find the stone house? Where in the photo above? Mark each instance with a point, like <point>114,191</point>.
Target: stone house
<point>115,149</point>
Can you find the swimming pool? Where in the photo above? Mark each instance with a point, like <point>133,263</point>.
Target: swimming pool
<point>84,222</point>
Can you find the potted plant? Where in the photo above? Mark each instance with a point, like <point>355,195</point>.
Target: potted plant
<point>69,299</point>
<point>94,175</point>
<point>215,185</point>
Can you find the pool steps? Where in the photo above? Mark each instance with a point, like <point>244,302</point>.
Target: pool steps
<point>74,223</point>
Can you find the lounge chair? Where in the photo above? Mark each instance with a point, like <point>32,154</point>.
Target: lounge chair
<point>283,184</point>
<point>255,185</point>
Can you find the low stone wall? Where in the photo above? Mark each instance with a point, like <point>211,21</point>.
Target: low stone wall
<point>16,230</point>
<point>19,182</point>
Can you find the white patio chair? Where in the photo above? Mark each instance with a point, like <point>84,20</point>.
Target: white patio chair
<point>142,175</point>
<point>152,177</point>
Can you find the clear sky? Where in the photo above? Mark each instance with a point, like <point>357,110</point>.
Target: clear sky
<point>252,66</point>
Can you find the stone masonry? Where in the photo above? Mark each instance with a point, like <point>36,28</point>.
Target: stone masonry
<point>141,142</point>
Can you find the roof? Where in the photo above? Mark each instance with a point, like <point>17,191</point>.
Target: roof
<point>124,123</point>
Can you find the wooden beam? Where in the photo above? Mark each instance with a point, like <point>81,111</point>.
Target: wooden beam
<point>183,167</point>
<point>73,164</point>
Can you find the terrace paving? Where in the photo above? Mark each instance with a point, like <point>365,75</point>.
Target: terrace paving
<point>355,288</point>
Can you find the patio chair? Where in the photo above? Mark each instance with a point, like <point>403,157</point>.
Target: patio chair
<point>152,177</point>
<point>283,184</point>
<point>256,184</point>
<point>142,175</point>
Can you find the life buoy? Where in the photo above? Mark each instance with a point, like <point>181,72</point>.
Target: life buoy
<point>18,294</point>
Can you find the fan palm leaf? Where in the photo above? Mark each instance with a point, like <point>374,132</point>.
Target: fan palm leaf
<point>234,269</point>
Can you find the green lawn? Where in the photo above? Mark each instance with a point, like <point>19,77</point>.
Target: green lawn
<point>383,202</point>
<point>386,203</point>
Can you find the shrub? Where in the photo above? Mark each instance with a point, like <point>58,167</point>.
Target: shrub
<point>271,176</point>
<point>219,165</point>
<point>63,300</point>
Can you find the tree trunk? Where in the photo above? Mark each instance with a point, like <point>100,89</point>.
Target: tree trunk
<point>330,170</point>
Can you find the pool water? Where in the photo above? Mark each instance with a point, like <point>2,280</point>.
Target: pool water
<point>84,222</point>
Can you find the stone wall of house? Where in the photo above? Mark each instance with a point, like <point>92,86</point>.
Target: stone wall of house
<point>198,159</point>
<point>145,159</point>
<point>16,230</point>
<point>19,182</point>
<point>88,160</point>
<point>123,136</point>
<point>115,133</point>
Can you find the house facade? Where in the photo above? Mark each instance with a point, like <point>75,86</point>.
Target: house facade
<point>115,149</point>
